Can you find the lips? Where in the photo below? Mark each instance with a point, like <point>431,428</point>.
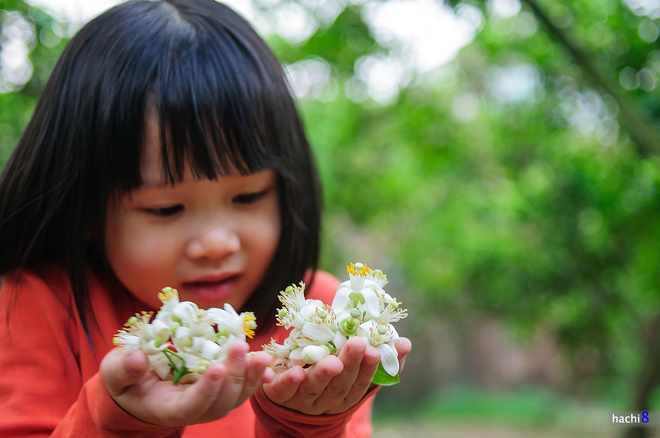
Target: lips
<point>212,288</point>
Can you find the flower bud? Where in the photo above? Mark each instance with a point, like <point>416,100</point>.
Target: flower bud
<point>314,353</point>
<point>355,313</point>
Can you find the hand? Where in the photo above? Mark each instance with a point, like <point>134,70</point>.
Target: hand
<point>221,388</point>
<point>333,384</point>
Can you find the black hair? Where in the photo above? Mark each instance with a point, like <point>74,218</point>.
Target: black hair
<point>223,103</point>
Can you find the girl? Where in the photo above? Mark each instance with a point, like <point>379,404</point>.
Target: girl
<point>165,151</point>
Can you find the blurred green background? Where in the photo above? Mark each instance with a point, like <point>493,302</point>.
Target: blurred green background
<point>499,160</point>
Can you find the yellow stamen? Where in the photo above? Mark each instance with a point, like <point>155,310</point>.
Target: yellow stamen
<point>167,293</point>
<point>359,270</point>
<point>249,324</point>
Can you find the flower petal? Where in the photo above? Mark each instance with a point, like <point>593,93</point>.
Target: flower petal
<point>160,328</point>
<point>230,309</point>
<point>341,297</point>
<point>160,365</point>
<point>371,301</point>
<point>339,340</point>
<point>150,347</point>
<point>389,358</point>
<point>211,351</point>
<point>296,354</point>
<point>317,332</point>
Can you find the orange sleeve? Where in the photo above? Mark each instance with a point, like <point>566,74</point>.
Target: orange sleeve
<point>42,392</point>
<point>275,421</point>
<point>95,414</point>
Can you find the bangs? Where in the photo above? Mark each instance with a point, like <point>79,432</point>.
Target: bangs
<point>215,113</point>
<point>217,91</point>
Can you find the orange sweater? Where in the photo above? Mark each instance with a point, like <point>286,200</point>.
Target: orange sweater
<point>50,384</point>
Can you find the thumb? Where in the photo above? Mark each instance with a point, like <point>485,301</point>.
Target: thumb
<point>122,369</point>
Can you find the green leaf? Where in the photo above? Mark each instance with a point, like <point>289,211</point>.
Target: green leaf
<point>382,378</point>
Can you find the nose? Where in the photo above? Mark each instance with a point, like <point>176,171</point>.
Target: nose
<point>213,242</point>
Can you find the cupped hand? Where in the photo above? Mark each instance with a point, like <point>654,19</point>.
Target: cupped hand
<point>221,388</point>
<point>333,384</point>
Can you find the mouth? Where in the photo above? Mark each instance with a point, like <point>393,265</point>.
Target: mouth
<point>212,288</point>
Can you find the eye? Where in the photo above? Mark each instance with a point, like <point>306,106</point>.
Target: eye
<point>248,198</point>
<point>166,211</point>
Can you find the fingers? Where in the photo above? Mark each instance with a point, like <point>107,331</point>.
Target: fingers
<point>403,348</point>
<point>257,371</point>
<point>319,376</point>
<point>362,381</point>
<point>197,400</point>
<point>121,369</point>
<point>285,385</point>
<point>223,387</point>
<point>232,386</point>
<point>351,355</point>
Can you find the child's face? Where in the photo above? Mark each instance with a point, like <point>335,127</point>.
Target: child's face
<point>211,240</point>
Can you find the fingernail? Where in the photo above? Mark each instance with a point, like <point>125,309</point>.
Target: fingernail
<point>357,352</point>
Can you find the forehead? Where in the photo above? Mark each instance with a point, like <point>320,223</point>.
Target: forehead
<point>152,167</point>
<point>151,164</point>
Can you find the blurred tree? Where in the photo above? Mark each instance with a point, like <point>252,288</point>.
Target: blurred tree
<point>31,41</point>
<point>520,179</point>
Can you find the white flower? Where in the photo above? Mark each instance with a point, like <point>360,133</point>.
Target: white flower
<point>238,325</point>
<point>391,310</point>
<point>170,299</point>
<point>294,296</point>
<point>382,336</point>
<point>138,334</point>
<point>320,326</point>
<point>192,332</point>
<point>297,309</point>
<point>360,308</point>
<point>208,353</point>
<point>175,313</point>
<point>185,341</point>
<point>161,365</point>
<point>280,352</point>
<point>358,289</point>
<point>377,277</point>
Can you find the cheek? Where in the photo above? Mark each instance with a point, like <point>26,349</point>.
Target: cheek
<point>135,254</point>
<point>265,233</point>
<point>272,234</point>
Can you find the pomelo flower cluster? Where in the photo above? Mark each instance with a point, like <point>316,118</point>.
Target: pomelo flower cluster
<point>183,339</point>
<point>361,307</point>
